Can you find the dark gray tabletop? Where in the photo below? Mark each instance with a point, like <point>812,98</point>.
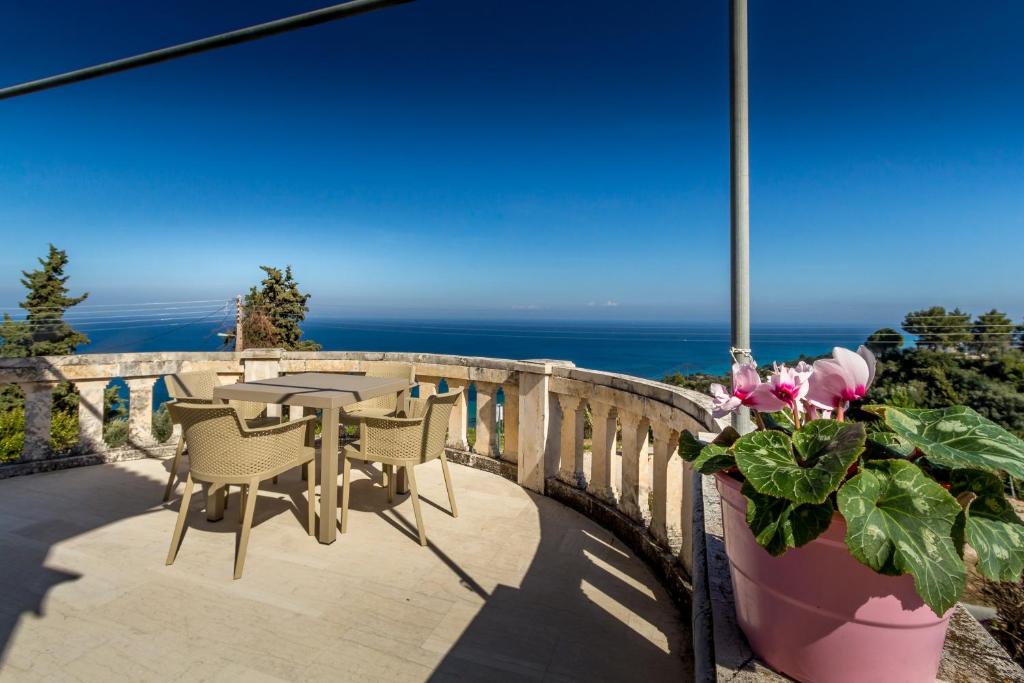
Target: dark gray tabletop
<point>312,389</point>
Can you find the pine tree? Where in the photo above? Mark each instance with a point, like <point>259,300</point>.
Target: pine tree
<point>274,311</point>
<point>939,330</point>
<point>884,340</point>
<point>993,333</point>
<point>43,332</point>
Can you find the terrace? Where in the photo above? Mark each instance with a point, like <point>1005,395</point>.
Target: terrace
<point>571,559</point>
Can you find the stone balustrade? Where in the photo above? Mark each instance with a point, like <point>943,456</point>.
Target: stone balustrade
<point>626,474</point>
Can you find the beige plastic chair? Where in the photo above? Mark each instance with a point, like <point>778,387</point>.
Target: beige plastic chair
<point>382,406</point>
<point>197,388</point>
<point>223,450</point>
<point>398,442</point>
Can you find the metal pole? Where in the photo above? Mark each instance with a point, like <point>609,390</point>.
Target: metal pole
<point>239,339</point>
<point>740,194</point>
<point>241,35</point>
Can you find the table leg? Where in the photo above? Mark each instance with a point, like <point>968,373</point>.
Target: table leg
<point>214,502</point>
<point>329,476</point>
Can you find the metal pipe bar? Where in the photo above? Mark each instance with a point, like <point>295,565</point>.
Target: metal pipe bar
<point>739,193</point>
<point>242,35</point>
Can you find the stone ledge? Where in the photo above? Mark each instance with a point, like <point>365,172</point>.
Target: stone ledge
<point>64,462</point>
<point>502,468</point>
<point>970,653</point>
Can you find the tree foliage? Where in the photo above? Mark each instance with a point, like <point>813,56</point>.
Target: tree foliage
<point>939,330</point>
<point>273,313</point>
<point>43,332</point>
<point>884,340</point>
<point>993,333</point>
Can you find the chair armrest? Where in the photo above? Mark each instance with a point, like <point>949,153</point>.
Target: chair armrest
<point>307,423</point>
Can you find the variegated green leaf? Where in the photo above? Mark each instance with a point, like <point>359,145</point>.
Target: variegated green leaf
<point>993,529</point>
<point>767,461</point>
<point>821,438</point>
<point>888,445</point>
<point>900,521</point>
<point>690,446</point>
<point>779,524</point>
<point>714,458</point>
<point>957,437</point>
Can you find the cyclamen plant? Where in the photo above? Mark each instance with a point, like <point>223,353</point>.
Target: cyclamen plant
<point>913,485</point>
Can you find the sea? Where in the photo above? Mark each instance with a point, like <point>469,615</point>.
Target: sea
<point>645,349</point>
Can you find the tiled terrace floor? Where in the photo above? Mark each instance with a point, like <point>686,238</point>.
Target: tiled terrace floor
<point>517,588</point>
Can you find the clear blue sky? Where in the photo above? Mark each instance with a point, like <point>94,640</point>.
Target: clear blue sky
<point>528,158</point>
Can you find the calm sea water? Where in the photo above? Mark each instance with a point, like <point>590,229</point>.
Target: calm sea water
<point>647,349</point>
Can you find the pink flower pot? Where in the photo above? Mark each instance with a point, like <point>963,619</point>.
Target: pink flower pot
<point>818,615</point>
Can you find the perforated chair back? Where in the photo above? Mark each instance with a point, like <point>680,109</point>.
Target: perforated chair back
<point>435,423</point>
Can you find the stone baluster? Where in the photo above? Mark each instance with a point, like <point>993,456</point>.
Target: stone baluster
<point>262,364</point>
<point>602,451</point>
<point>510,423</point>
<point>140,411</point>
<point>459,419</point>
<point>90,415</point>
<point>428,386</point>
<point>633,499</point>
<point>574,419</point>
<point>534,423</point>
<point>38,414</point>
<point>486,442</point>
<point>666,515</point>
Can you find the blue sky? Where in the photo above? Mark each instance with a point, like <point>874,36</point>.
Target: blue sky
<point>545,158</point>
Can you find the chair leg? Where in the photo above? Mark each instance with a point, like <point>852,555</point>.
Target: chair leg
<point>448,485</point>
<point>386,474</point>
<point>174,469</point>
<point>416,504</point>
<point>179,526</point>
<point>392,483</point>
<point>346,480</point>
<point>243,544</point>
<point>275,479</point>
<point>311,496</point>
<point>241,503</point>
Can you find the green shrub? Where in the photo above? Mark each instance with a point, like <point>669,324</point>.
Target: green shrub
<point>12,434</point>
<point>115,432</point>
<point>162,426</point>
<point>63,431</point>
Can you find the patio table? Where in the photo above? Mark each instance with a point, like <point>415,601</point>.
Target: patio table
<point>326,391</point>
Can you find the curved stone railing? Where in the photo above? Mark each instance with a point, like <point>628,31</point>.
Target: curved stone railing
<point>629,479</point>
<point>543,413</point>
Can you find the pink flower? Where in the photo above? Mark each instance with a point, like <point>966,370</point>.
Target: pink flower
<point>747,390</point>
<point>789,385</point>
<point>744,382</point>
<point>843,378</point>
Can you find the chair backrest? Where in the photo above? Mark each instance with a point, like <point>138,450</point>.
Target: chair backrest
<point>220,450</point>
<point>435,422</point>
<point>397,370</point>
<point>214,437</point>
<point>198,384</point>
